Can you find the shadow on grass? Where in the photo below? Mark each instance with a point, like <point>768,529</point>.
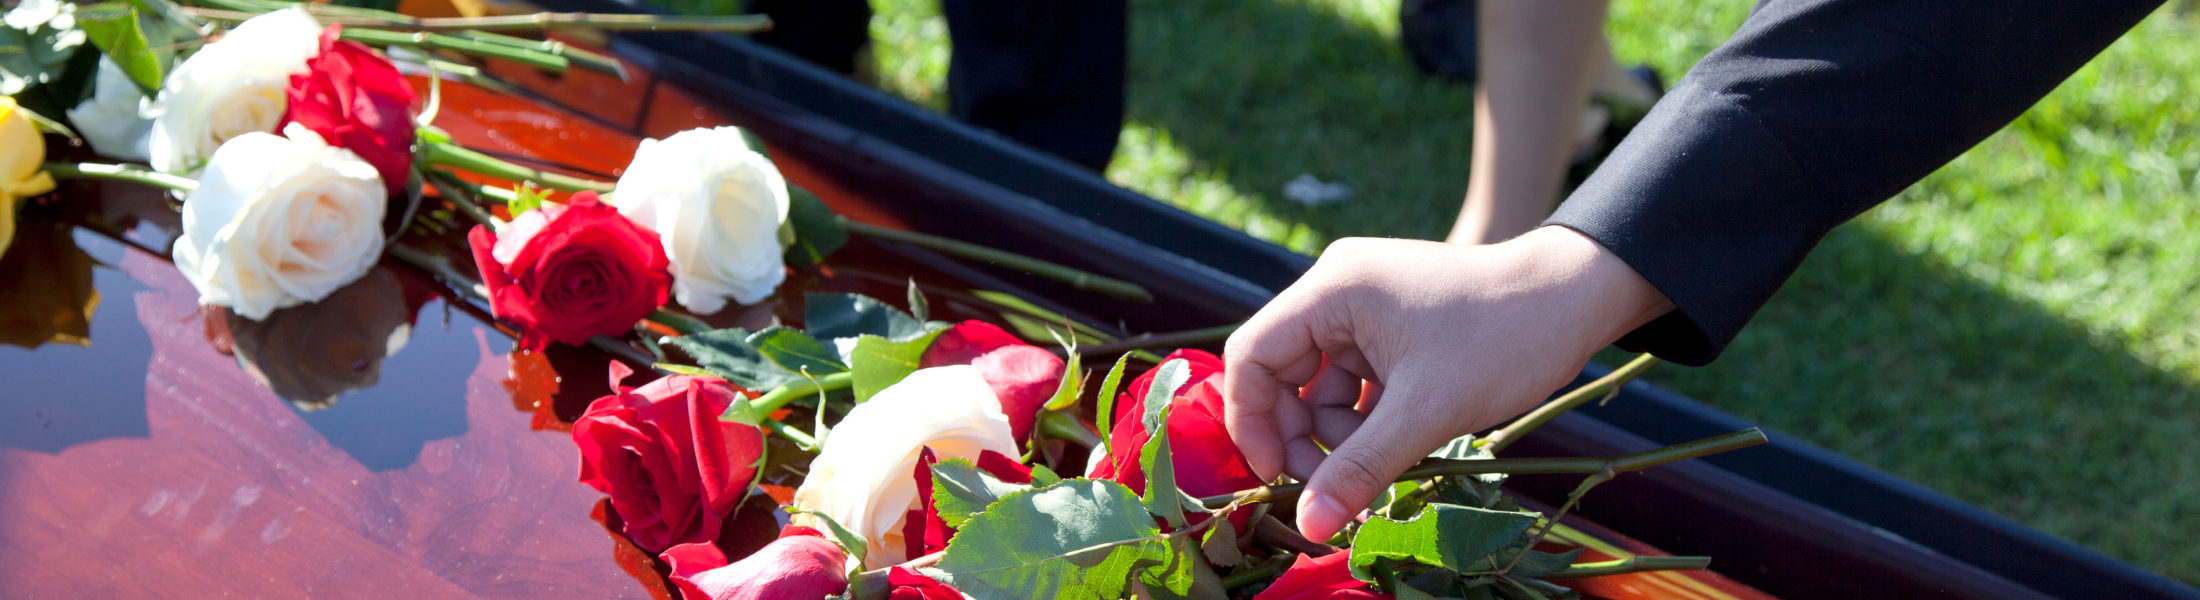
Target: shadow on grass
<point>1261,91</point>
<point>1904,363</point>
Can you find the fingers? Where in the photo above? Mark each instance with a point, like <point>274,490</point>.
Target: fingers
<point>1266,361</point>
<point>1355,473</point>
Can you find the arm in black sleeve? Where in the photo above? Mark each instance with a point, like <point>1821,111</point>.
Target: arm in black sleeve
<point>1813,113</point>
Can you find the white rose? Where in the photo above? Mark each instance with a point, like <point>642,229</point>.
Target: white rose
<point>230,88</point>
<point>118,118</point>
<point>279,222</point>
<point>864,478</point>
<point>717,207</point>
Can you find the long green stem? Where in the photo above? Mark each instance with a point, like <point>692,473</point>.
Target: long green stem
<point>436,41</point>
<point>1639,564</point>
<point>233,10</point>
<point>130,173</point>
<point>580,58</point>
<point>780,396</point>
<point>1075,278</point>
<point>800,437</point>
<point>1260,573</point>
<point>1617,464</point>
<point>452,155</point>
<point>1602,387</point>
<point>1176,339</point>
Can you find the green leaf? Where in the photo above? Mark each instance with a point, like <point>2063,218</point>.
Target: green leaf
<point>680,369</point>
<point>727,354</point>
<point>1220,545</point>
<point>525,198</point>
<point>849,541</point>
<point>1167,378</point>
<point>918,306</point>
<point>1072,386</point>
<point>1041,476</point>
<point>113,27</point>
<point>1079,539</point>
<point>877,363</point>
<point>1538,563</point>
<point>1457,538</point>
<point>1461,448</point>
<point>796,352</point>
<point>961,491</point>
<point>1161,491</point>
<point>817,231</point>
<point>1106,413</point>
<point>1182,574</point>
<point>830,316</point>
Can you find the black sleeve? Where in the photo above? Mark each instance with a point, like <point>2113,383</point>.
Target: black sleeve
<point>1813,113</point>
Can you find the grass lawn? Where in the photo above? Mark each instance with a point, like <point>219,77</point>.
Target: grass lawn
<point>2019,330</point>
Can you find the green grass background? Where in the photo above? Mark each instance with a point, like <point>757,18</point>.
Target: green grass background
<point>2019,330</point>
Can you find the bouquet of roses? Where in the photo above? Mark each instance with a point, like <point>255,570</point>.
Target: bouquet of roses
<point>918,459</point>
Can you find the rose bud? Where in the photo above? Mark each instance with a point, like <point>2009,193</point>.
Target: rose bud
<point>672,468</point>
<point>718,206</point>
<point>1022,376</point>
<point>567,272</point>
<point>1325,578</point>
<point>862,477</point>
<point>231,87</point>
<point>355,98</point>
<point>1207,462</point>
<point>280,221</point>
<point>800,564</point>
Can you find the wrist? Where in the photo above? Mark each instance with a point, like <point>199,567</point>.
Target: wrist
<point>1606,296</point>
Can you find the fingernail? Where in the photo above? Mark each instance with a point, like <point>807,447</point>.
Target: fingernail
<point>1319,516</point>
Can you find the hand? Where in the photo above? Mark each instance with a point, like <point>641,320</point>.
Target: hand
<point>1448,340</point>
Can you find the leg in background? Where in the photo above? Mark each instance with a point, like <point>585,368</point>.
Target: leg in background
<point>1046,73</point>
<point>1539,59</point>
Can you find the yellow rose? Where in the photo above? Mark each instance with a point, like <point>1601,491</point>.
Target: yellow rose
<point>22,150</point>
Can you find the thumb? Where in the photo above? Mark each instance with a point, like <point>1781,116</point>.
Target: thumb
<point>1354,474</point>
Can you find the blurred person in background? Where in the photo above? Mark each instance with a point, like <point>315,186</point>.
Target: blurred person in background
<point>1046,74</point>
<point>1547,94</point>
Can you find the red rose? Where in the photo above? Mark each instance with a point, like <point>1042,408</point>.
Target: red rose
<point>567,272</point>
<point>923,531</point>
<point>672,469</point>
<point>357,100</point>
<point>1325,578</point>
<point>800,564</point>
<point>905,583</point>
<point>1022,376</point>
<point>1207,462</point>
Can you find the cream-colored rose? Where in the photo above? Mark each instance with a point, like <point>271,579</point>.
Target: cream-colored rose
<point>118,118</point>
<point>279,222</point>
<point>717,207</point>
<point>863,478</point>
<point>230,88</point>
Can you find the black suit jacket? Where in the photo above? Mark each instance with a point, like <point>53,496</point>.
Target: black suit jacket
<point>1815,111</point>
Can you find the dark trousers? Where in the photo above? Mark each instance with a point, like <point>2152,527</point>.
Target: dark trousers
<point>1046,73</point>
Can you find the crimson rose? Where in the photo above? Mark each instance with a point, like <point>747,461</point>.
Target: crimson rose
<point>1325,578</point>
<point>904,583</point>
<point>672,469</point>
<point>800,564</point>
<point>356,100</point>
<point>1022,376</point>
<point>1207,462</point>
<point>567,272</point>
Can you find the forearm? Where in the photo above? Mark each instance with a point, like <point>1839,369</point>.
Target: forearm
<point>1811,114</point>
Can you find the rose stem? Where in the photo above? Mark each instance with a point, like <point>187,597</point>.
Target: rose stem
<point>1061,424</point>
<point>1617,464</point>
<point>780,396</point>
<point>580,58</point>
<point>234,10</point>
<point>1176,339</point>
<point>793,434</point>
<point>453,155</point>
<point>1075,278</point>
<point>1260,573</point>
<point>442,268</point>
<point>465,195</point>
<point>1603,387</point>
<point>1636,564</point>
<point>130,173</point>
<point>436,41</point>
